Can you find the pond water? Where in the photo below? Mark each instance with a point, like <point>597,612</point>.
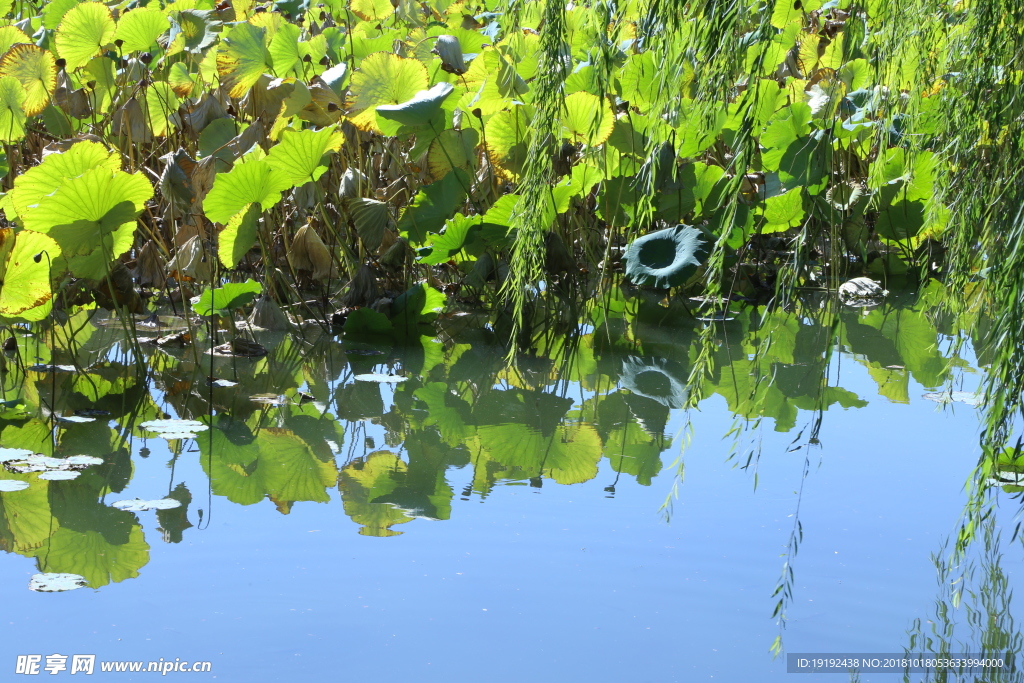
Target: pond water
<point>460,519</point>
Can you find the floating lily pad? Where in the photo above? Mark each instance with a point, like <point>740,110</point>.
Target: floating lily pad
<point>11,485</point>
<point>174,429</point>
<point>139,505</point>
<point>380,379</point>
<point>36,462</point>
<point>944,397</point>
<point>7,454</point>
<point>59,475</point>
<point>221,382</point>
<point>56,583</point>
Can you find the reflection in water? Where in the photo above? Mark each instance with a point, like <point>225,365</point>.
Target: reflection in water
<point>583,390</point>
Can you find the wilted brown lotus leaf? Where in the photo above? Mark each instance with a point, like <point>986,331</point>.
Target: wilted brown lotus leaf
<point>130,122</point>
<point>149,266</point>
<point>308,252</point>
<point>192,262</point>
<point>198,115</point>
<point>73,102</point>
<point>176,180</point>
<point>362,290</point>
<point>268,315</point>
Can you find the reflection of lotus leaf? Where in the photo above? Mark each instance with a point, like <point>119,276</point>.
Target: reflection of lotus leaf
<point>654,378</point>
<point>666,258</point>
<point>56,582</point>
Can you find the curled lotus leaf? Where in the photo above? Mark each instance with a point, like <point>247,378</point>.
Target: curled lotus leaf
<point>666,258</point>
<point>420,109</point>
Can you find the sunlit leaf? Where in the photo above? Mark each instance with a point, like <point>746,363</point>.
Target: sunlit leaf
<point>36,70</point>
<point>242,57</point>
<point>383,78</point>
<point>588,118</point>
<point>299,155</point>
<point>26,289</point>
<point>12,113</point>
<point>84,31</point>
<point>238,236</point>
<point>452,149</point>
<point>228,297</point>
<point>252,182</point>
<point>139,28</point>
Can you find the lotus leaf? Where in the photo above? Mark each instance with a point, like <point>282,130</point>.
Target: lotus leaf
<point>419,110</point>
<point>667,258</point>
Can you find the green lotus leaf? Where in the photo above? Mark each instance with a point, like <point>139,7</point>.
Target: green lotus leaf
<point>161,103</point>
<point>12,115</point>
<point>232,295</point>
<point>36,70</point>
<point>11,36</point>
<point>284,50</point>
<point>53,12</point>
<point>139,28</point>
<point>902,220</point>
<point>42,180</point>
<point>238,235</point>
<point>587,118</point>
<point>242,57</point>
<point>784,211</point>
<point>420,304</point>
<point>299,154</point>
<point>367,322</point>
<point>419,110</point>
<point>666,258</point>
<point>86,220</point>
<point>458,232</point>
<point>383,79</point>
<point>84,31</point>
<point>251,182</point>
<point>193,29</point>
<point>433,205</point>
<point>508,140</point>
<point>372,10</point>
<point>452,149</point>
<point>26,290</point>
<point>371,218</point>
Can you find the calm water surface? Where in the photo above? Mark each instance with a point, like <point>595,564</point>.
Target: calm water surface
<point>475,523</point>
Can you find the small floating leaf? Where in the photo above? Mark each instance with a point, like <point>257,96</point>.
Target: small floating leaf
<point>8,454</point>
<point>75,418</point>
<point>139,505</point>
<point>59,475</point>
<point>10,485</point>
<point>55,583</point>
<point>174,429</point>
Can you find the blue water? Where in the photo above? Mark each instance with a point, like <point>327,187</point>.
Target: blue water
<point>548,584</point>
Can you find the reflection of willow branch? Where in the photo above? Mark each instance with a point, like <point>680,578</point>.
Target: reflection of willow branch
<point>784,587</point>
<point>986,605</point>
<point>685,437</point>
